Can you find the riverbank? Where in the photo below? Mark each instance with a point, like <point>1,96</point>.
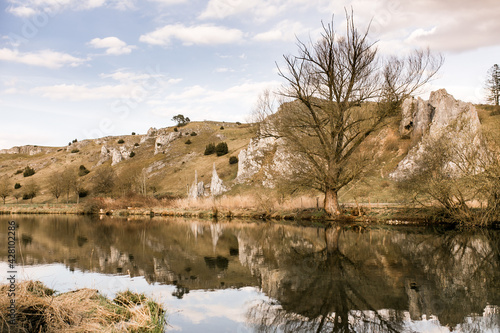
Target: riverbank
<point>391,214</point>
<point>39,309</point>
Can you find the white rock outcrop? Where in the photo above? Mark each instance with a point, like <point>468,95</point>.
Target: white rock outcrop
<point>217,186</point>
<point>27,150</point>
<point>163,140</point>
<point>250,160</point>
<point>115,154</point>
<point>441,118</point>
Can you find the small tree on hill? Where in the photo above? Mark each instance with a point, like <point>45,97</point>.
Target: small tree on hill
<point>5,188</point>
<point>209,149</point>
<point>56,185</point>
<point>31,190</point>
<point>181,120</point>
<point>221,149</point>
<point>493,85</point>
<point>28,171</point>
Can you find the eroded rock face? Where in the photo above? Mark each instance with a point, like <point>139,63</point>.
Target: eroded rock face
<point>27,150</point>
<point>115,154</point>
<point>163,140</point>
<point>250,160</point>
<point>216,185</point>
<point>151,134</point>
<point>441,119</point>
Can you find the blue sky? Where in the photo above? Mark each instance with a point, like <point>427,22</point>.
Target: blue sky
<point>91,68</point>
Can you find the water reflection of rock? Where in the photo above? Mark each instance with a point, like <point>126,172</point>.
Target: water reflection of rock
<point>320,279</point>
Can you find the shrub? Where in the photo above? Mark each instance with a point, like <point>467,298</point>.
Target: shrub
<point>26,196</point>
<point>209,149</point>
<point>222,127</point>
<point>238,123</point>
<point>28,171</point>
<point>18,172</point>
<point>221,149</point>
<point>17,185</point>
<point>233,160</point>
<point>75,140</point>
<point>74,151</point>
<point>121,141</point>
<point>158,144</point>
<point>133,133</point>
<point>82,170</point>
<point>188,142</point>
<point>175,129</point>
<point>193,134</point>
<point>136,144</point>
<point>132,154</point>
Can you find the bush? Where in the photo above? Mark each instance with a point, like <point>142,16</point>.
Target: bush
<point>26,196</point>
<point>233,160</point>
<point>75,140</point>
<point>136,144</point>
<point>28,171</point>
<point>18,172</point>
<point>158,144</point>
<point>17,185</point>
<point>238,123</point>
<point>188,142</point>
<point>222,127</point>
<point>193,134</point>
<point>82,170</point>
<point>121,141</point>
<point>221,149</point>
<point>74,151</point>
<point>175,129</point>
<point>133,133</point>
<point>209,149</point>
<point>132,154</point>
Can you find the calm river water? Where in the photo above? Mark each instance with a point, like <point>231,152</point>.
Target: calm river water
<point>266,277</point>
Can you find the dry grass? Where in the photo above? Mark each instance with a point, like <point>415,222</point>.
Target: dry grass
<point>256,201</point>
<point>84,310</point>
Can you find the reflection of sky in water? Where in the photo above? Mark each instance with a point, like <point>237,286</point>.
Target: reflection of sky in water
<point>203,311</point>
<point>198,311</point>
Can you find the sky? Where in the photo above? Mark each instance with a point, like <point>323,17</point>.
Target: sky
<point>82,69</point>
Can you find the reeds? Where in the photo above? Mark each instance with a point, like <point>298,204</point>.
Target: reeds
<point>84,310</point>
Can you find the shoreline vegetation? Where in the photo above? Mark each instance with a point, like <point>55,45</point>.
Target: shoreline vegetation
<point>302,209</point>
<point>40,309</point>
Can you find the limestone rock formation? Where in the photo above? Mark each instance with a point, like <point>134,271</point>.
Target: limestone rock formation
<point>163,141</point>
<point>197,189</point>
<point>250,160</point>
<point>441,119</point>
<point>115,154</point>
<point>216,185</point>
<point>151,134</point>
<point>27,150</point>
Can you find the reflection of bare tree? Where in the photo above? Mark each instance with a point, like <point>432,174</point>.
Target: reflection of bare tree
<point>329,298</point>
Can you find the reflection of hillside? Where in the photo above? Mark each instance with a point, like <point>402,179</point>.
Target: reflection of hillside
<point>322,279</point>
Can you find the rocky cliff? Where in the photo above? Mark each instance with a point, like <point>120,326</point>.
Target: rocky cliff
<point>444,121</point>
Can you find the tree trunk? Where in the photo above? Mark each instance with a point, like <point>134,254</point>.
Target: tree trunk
<point>332,235</point>
<point>332,202</point>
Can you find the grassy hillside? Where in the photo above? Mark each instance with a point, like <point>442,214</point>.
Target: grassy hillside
<point>169,173</point>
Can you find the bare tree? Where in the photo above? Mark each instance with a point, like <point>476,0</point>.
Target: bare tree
<point>31,190</point>
<point>68,180</point>
<point>340,93</point>
<point>56,185</point>
<point>493,85</point>
<point>5,188</point>
<point>104,180</point>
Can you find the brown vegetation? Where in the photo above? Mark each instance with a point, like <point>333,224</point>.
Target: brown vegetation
<point>38,309</point>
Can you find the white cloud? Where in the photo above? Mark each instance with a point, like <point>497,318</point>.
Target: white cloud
<point>29,8</point>
<point>44,58</point>
<point>83,92</point>
<point>283,31</point>
<point>259,9</point>
<point>21,11</point>
<point>200,35</point>
<point>223,70</point>
<point>169,2</point>
<point>113,45</point>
